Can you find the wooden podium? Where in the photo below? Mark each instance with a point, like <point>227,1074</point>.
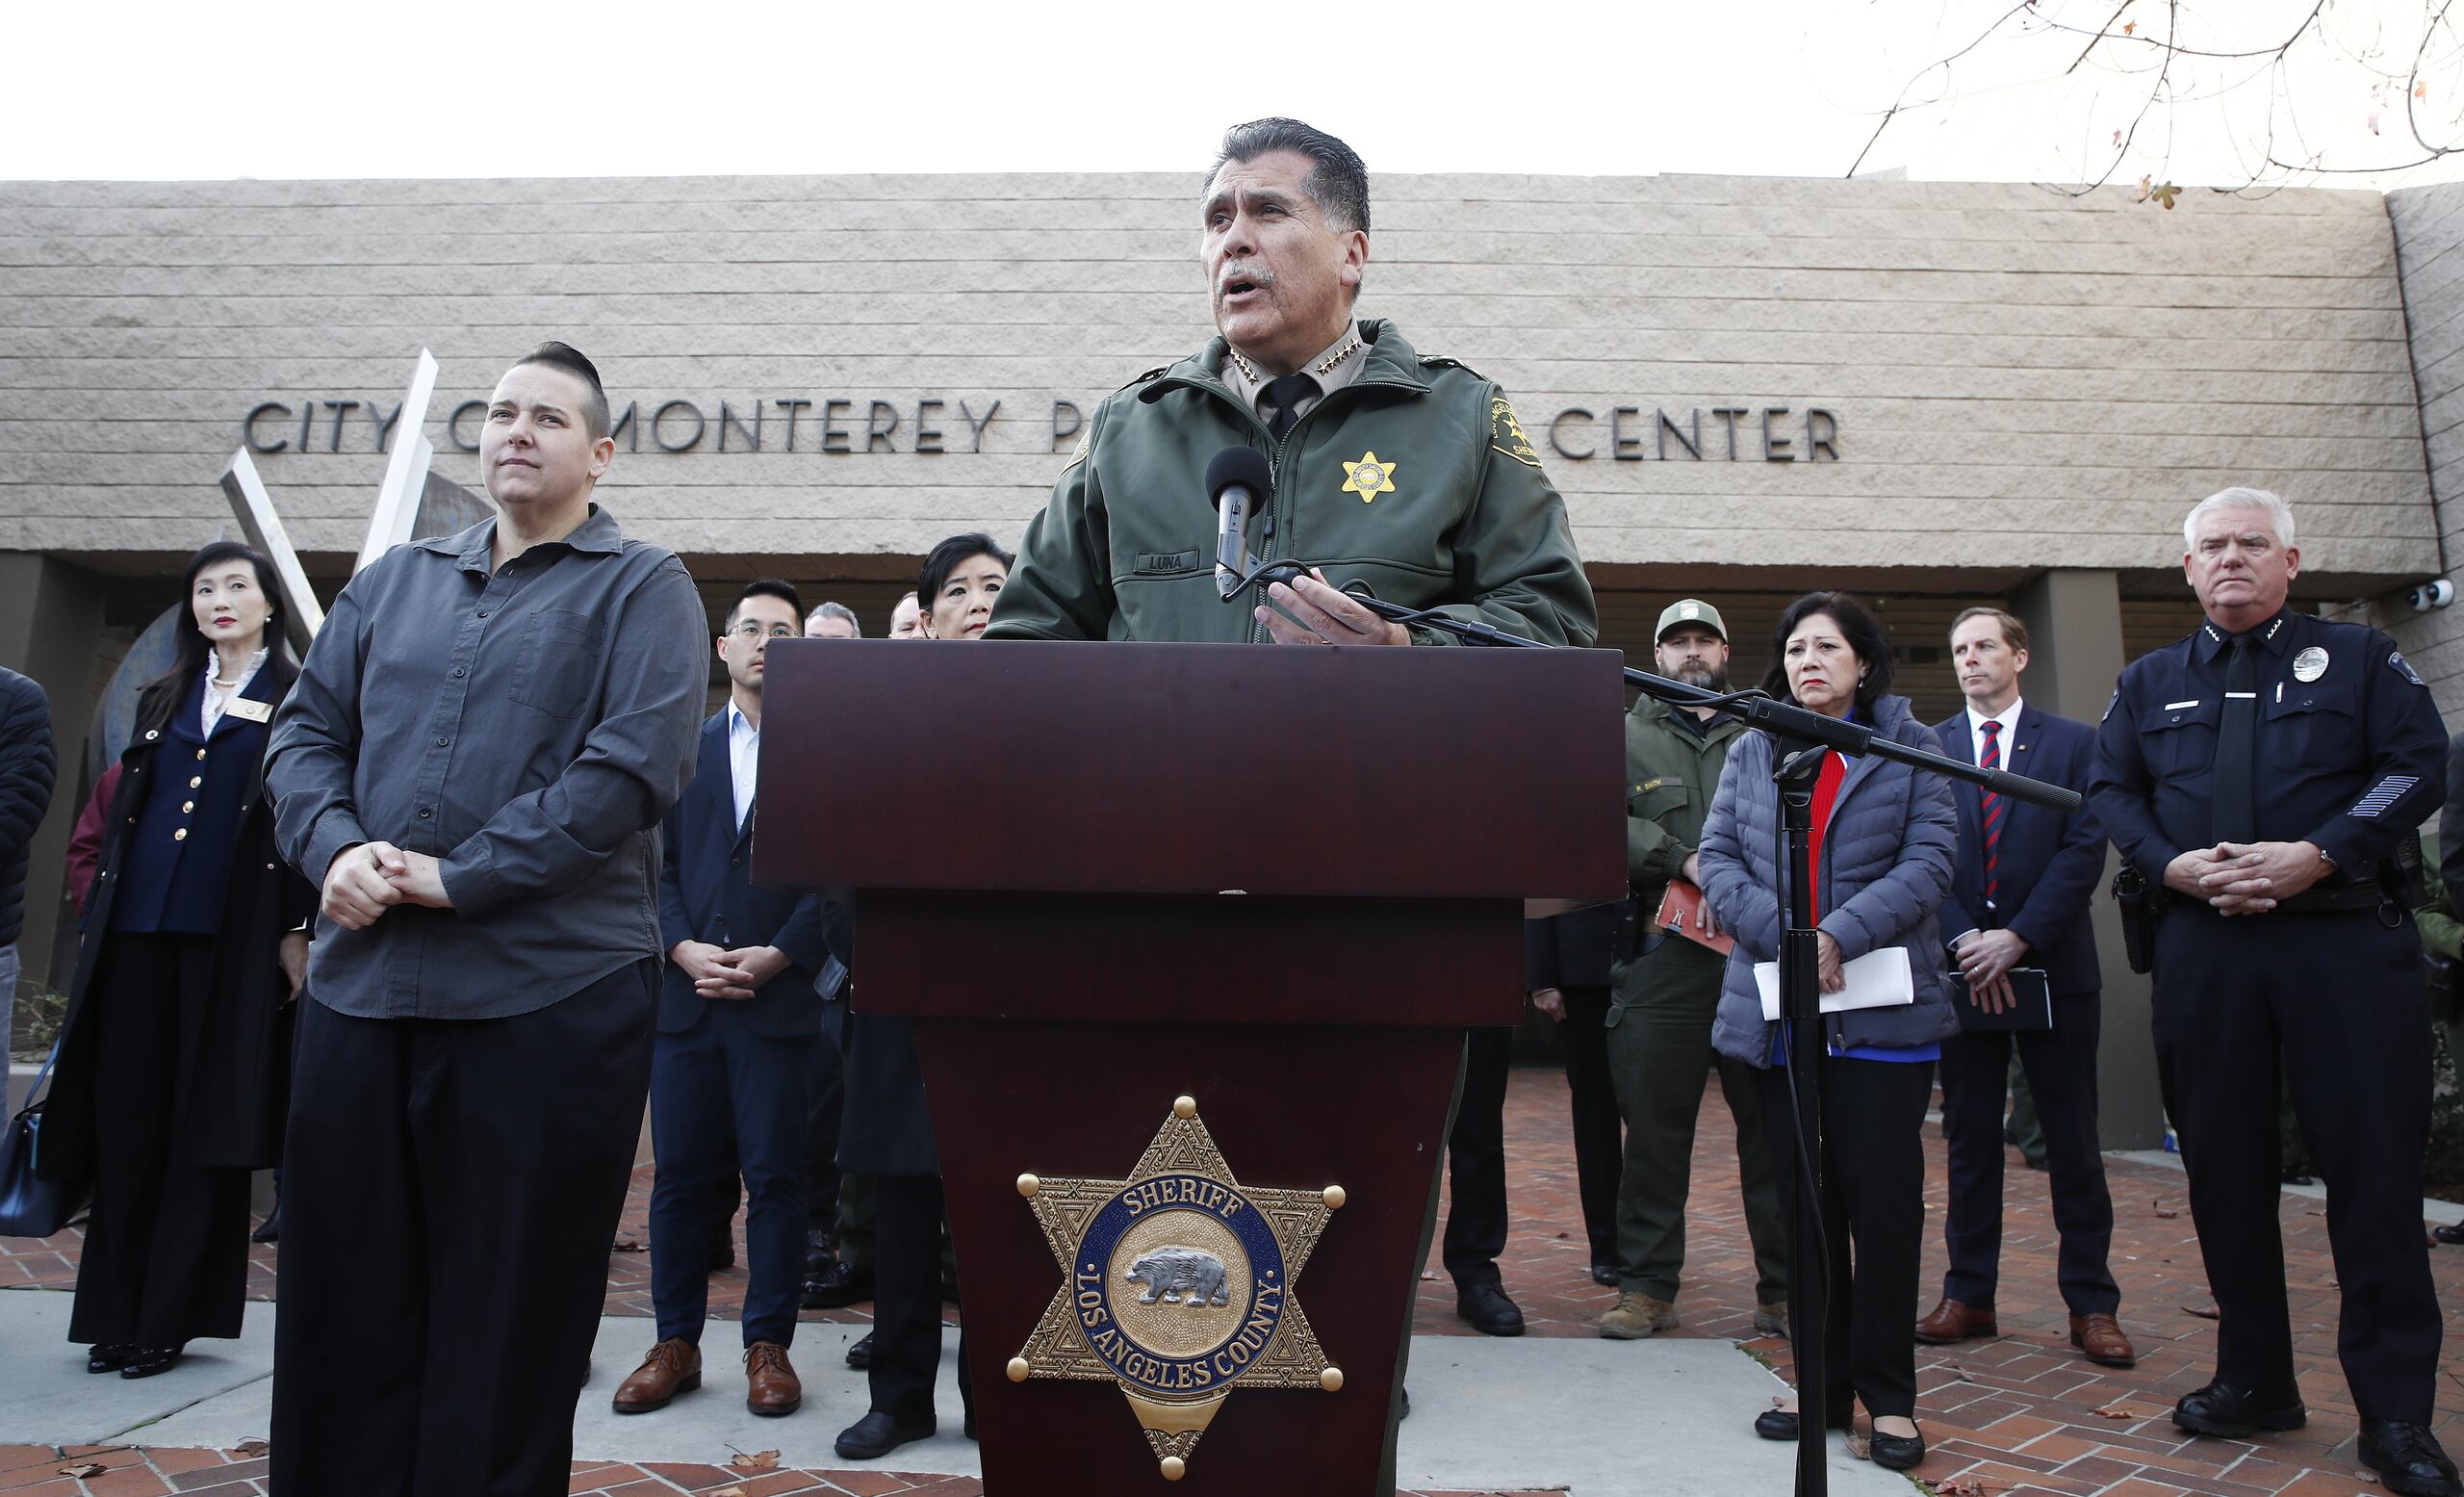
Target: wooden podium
<point>1279,882</point>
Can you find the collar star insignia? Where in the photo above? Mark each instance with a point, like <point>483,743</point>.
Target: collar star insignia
<point>1177,1286</point>
<point>1369,477</point>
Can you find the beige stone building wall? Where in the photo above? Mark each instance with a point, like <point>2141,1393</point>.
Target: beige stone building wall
<point>2429,240</point>
<point>2019,380</point>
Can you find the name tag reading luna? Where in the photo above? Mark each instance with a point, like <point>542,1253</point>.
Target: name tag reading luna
<point>250,711</point>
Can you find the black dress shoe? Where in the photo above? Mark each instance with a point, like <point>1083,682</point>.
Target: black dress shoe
<point>1488,1310</point>
<point>860,1356</point>
<point>271,1228</point>
<point>1781,1424</point>
<point>109,1356</point>
<point>877,1434</point>
<point>2407,1458</point>
<point>144,1361</point>
<point>836,1287</point>
<point>2230,1414</point>
<point>2452,1234</point>
<point>1896,1452</point>
<point>818,1252</point>
<point>1605,1275</point>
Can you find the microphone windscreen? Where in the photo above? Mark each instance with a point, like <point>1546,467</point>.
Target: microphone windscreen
<point>1245,466</point>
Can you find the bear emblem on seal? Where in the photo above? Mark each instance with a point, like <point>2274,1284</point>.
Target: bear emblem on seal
<point>1182,1276</point>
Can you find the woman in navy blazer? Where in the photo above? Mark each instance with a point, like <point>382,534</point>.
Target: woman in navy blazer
<point>173,1067</point>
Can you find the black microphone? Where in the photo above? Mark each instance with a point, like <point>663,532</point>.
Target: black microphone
<point>1236,479</point>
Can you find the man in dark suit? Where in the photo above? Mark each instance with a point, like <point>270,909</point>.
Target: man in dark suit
<point>2020,901</point>
<point>738,1023</point>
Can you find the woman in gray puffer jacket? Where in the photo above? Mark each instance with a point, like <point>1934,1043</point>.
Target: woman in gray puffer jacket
<point>1886,836</point>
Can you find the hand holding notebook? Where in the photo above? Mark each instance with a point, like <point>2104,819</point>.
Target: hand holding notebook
<point>1682,910</point>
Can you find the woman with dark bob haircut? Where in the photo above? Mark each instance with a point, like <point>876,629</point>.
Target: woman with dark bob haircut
<point>1884,840</point>
<point>174,1062</point>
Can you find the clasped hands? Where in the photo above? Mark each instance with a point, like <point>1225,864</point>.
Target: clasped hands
<point>1986,958</point>
<point>2245,878</point>
<point>729,973</point>
<point>366,880</point>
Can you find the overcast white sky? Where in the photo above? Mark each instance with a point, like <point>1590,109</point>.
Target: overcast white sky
<point>448,88</point>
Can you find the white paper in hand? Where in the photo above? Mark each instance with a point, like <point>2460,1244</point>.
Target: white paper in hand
<point>1878,979</point>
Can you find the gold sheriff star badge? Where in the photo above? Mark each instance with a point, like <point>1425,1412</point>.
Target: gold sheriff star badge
<point>1177,1286</point>
<point>1369,477</point>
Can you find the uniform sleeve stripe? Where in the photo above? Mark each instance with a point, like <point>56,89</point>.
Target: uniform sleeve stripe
<point>2385,793</point>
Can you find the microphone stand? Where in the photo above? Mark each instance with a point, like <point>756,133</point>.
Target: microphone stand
<point>1804,737</point>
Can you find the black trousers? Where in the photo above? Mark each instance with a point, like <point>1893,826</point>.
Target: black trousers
<point>165,1257</point>
<point>2337,1005</point>
<point>1599,1137</point>
<point>2061,1067</point>
<point>452,1187</point>
<point>1476,1163</point>
<point>829,1090</point>
<point>907,1299</point>
<point>1873,1202</point>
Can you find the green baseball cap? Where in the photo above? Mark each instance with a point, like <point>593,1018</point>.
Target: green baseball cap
<point>1689,610</point>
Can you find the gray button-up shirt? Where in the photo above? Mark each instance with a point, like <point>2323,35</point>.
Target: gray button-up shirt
<point>529,727</point>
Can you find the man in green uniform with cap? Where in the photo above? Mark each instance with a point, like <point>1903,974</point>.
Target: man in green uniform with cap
<point>1659,1026</point>
<point>1406,471</point>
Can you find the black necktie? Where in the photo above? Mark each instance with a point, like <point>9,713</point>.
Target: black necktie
<point>1285,395</point>
<point>2237,738</point>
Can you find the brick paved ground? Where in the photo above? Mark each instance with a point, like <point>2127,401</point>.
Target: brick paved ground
<point>2020,1414</point>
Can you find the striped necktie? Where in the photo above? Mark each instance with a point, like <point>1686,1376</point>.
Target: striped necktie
<point>1990,758</point>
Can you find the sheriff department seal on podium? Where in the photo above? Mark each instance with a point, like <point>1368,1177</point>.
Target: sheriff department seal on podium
<point>1177,1285</point>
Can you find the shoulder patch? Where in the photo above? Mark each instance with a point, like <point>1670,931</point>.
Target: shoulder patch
<point>1505,434</point>
<point>2404,668</point>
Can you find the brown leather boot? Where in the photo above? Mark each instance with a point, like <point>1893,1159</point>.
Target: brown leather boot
<point>771,1387</point>
<point>2100,1339</point>
<point>673,1366</point>
<point>1951,1321</point>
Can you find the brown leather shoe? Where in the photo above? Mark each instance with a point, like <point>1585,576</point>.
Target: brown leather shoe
<point>771,1386</point>
<point>1952,1321</point>
<point>2099,1337</point>
<point>673,1366</point>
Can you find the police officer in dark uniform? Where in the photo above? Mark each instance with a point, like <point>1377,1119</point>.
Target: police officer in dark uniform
<point>2261,774</point>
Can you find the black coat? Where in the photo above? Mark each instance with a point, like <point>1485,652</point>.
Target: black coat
<point>888,1129</point>
<point>234,1079</point>
<point>27,763</point>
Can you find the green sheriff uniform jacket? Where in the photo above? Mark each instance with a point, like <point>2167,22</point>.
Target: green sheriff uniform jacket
<point>1670,775</point>
<point>1414,477</point>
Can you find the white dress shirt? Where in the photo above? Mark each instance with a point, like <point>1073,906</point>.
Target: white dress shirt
<point>2009,718</point>
<point>744,757</point>
<point>217,700</point>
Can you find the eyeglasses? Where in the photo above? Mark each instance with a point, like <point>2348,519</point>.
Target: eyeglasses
<point>750,632</point>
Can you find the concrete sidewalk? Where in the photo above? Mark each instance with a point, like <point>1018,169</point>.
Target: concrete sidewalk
<point>1597,1418</point>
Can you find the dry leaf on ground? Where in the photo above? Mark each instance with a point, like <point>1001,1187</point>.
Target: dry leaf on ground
<point>84,1469</point>
<point>2125,1408</point>
<point>728,1492</point>
<point>757,1461</point>
<point>1969,1485</point>
<point>2158,1205</point>
<point>249,1450</point>
<point>2203,1311</point>
<point>628,1245</point>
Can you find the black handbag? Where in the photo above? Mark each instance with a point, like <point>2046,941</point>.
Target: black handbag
<point>30,1207</point>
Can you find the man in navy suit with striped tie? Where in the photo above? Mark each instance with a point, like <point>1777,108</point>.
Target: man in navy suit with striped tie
<point>2020,901</point>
